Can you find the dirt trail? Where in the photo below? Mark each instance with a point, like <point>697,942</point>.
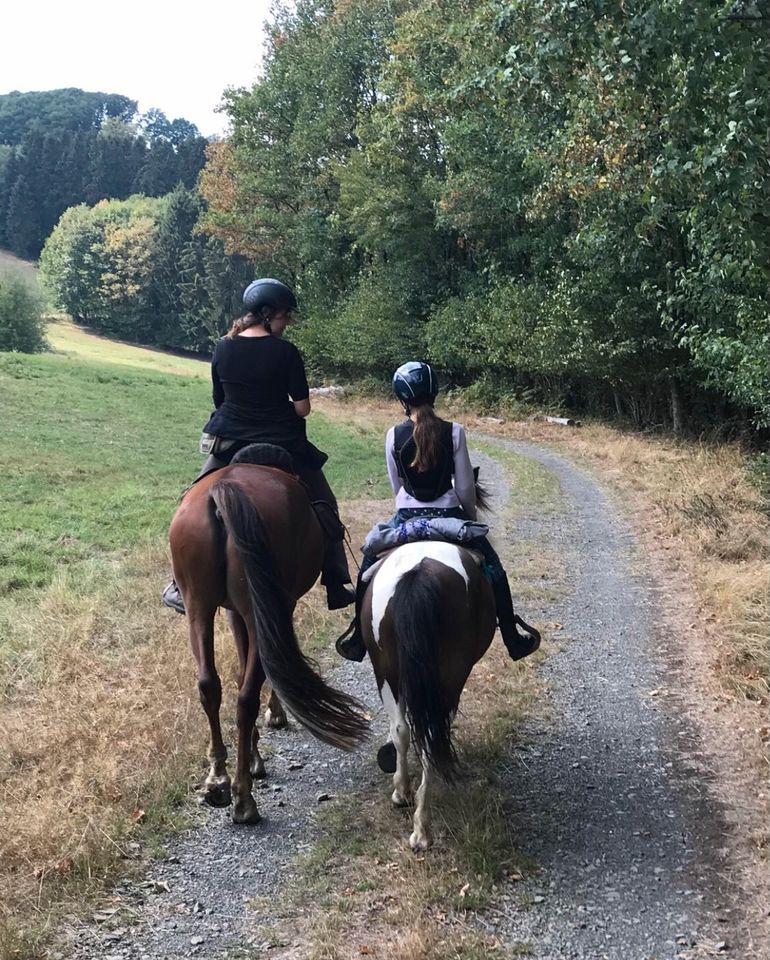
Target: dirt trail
<point>610,794</point>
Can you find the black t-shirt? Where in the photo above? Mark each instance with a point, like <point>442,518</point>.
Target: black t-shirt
<point>255,380</point>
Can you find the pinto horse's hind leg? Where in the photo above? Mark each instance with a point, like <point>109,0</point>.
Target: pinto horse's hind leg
<point>399,735</point>
<point>241,638</point>
<point>422,838</point>
<point>216,789</point>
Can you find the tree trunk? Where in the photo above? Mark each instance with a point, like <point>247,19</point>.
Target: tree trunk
<point>616,396</point>
<point>677,413</point>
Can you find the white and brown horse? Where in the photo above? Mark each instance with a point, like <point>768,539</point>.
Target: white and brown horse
<point>428,616</point>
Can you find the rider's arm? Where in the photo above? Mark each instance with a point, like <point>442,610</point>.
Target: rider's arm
<point>218,391</point>
<point>297,383</point>
<point>390,460</point>
<point>465,485</point>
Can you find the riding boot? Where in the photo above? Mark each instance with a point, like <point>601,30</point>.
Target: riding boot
<point>171,597</point>
<point>339,595</point>
<point>519,645</point>
<point>351,644</point>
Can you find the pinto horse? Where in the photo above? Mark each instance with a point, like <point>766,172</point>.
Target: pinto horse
<point>428,616</point>
<point>247,538</point>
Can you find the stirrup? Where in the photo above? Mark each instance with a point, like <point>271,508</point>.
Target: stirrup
<point>172,598</point>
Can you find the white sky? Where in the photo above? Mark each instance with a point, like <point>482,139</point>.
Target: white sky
<point>175,56</point>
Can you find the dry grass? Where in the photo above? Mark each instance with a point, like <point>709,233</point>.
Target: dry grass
<point>103,733</point>
<point>694,503</point>
<point>100,738</point>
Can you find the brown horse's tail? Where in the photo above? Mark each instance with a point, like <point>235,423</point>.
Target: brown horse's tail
<point>330,715</point>
<point>416,609</point>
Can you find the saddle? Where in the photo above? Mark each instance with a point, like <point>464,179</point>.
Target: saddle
<point>270,455</point>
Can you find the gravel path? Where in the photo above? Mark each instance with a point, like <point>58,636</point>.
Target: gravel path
<point>609,794</point>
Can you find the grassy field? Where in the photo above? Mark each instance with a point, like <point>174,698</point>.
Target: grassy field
<point>98,709</point>
<point>103,734</point>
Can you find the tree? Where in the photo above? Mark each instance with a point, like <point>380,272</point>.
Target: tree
<point>22,327</point>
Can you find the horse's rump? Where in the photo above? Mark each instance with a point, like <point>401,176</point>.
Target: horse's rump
<point>428,617</point>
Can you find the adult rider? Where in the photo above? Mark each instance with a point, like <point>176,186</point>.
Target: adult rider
<point>261,395</point>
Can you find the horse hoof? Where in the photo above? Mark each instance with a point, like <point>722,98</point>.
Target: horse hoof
<point>276,721</point>
<point>387,757</point>
<point>419,842</point>
<point>217,795</point>
<point>399,800</point>
<point>247,813</point>
<point>258,771</point>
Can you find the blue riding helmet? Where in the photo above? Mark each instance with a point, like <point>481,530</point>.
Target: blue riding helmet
<point>268,293</point>
<point>414,381</point>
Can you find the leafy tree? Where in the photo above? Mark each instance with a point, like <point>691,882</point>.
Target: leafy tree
<point>21,323</point>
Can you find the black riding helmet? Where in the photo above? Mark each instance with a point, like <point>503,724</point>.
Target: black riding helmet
<point>414,381</point>
<point>268,293</point>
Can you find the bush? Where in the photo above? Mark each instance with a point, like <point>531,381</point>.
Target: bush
<point>21,321</point>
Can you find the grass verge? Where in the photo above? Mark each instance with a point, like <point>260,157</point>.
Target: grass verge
<point>360,891</point>
<point>103,734</point>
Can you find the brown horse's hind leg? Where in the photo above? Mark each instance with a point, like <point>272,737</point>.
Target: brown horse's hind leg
<point>275,715</point>
<point>216,789</point>
<point>244,805</point>
<point>241,638</point>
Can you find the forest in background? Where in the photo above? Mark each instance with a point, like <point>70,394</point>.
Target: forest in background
<point>551,199</point>
<point>122,187</point>
<point>554,201</point>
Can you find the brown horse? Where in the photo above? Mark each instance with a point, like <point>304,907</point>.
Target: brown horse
<point>247,538</point>
<point>428,616</point>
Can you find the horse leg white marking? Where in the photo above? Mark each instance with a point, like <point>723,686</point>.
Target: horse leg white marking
<point>399,735</point>
<point>421,838</point>
<point>275,716</point>
<point>216,787</point>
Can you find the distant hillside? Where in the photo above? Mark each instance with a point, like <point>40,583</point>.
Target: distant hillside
<point>59,148</point>
<point>53,111</point>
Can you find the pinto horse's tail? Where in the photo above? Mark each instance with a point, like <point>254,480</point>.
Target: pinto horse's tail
<point>330,715</point>
<point>416,609</point>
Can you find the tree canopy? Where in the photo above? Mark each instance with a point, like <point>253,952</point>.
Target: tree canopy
<point>567,199</point>
<point>65,147</point>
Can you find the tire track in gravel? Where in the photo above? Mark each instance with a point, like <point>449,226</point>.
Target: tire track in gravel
<point>609,794</point>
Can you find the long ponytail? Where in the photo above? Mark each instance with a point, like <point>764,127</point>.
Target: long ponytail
<point>261,317</point>
<point>426,436</point>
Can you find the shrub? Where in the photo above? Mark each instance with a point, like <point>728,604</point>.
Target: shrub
<point>21,320</point>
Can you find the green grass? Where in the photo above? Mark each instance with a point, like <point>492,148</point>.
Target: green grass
<point>95,456</point>
<point>530,483</point>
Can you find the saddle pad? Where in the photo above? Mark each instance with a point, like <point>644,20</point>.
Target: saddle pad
<point>383,536</point>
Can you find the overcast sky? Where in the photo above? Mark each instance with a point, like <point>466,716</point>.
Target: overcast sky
<point>163,53</point>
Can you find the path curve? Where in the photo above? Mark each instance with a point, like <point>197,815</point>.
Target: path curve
<point>609,787</point>
<point>610,793</point>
